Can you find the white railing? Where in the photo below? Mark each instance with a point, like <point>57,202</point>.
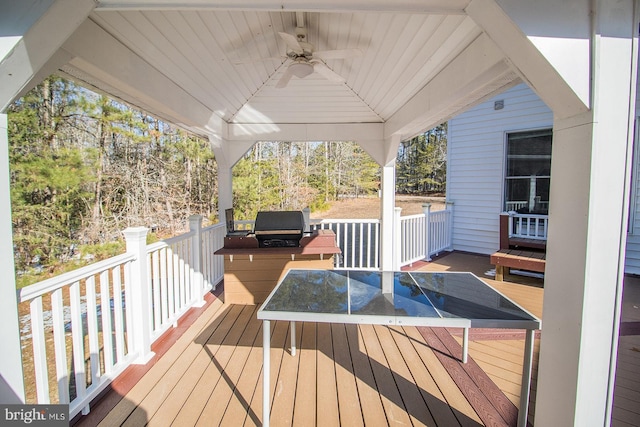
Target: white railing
<point>424,235</point>
<point>414,238</point>
<point>212,265</point>
<point>95,336</point>
<point>440,231</point>
<point>528,226</point>
<point>78,315</point>
<point>515,205</point>
<point>359,241</point>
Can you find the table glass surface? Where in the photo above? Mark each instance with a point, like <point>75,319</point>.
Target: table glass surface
<point>411,294</point>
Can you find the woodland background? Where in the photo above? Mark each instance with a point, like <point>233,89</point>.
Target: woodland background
<point>84,167</point>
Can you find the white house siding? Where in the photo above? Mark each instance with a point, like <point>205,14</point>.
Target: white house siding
<point>475,175</point>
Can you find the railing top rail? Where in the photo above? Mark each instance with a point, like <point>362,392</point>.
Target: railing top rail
<point>348,221</point>
<point>168,242</point>
<point>49,285</point>
<point>527,215</point>
<point>415,216</point>
<point>213,227</point>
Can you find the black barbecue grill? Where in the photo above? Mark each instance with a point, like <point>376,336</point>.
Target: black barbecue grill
<point>279,229</point>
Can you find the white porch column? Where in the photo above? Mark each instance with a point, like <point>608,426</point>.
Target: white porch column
<point>227,154</point>
<point>225,190</point>
<point>138,295</point>
<point>587,233</point>
<point>388,187</point>
<point>11,378</point>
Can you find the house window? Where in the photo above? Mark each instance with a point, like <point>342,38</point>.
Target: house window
<point>528,171</point>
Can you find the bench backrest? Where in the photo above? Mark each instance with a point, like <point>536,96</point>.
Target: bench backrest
<point>523,230</point>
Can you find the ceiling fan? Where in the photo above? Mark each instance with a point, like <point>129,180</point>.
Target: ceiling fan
<point>304,60</point>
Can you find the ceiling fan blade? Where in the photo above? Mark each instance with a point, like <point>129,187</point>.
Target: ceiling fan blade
<point>326,72</point>
<point>337,54</point>
<point>284,80</point>
<point>292,42</point>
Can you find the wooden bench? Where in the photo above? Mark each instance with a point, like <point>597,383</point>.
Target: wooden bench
<point>517,258</point>
<point>517,252</point>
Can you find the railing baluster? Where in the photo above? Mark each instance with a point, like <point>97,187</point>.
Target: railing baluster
<point>60,346</point>
<point>105,310</point>
<point>39,351</point>
<point>117,313</point>
<point>78,344</point>
<point>353,244</point>
<point>171,288</point>
<point>127,307</point>
<point>92,329</point>
<point>360,249</point>
<point>181,264</point>
<point>176,279</point>
<point>162,270</point>
<point>155,290</point>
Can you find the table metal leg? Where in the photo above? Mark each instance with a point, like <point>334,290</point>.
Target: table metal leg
<point>526,378</point>
<point>465,345</point>
<point>293,338</point>
<point>266,365</point>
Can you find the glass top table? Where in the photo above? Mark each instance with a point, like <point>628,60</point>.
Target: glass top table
<point>435,299</point>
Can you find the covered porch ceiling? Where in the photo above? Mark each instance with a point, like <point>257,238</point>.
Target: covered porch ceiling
<point>381,71</point>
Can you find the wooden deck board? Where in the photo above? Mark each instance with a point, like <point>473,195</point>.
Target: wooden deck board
<point>348,402</point>
<point>306,395</point>
<point>390,395</point>
<point>409,391</point>
<point>370,401</point>
<point>327,401</point>
<point>230,361</point>
<point>462,409</point>
<point>435,402</point>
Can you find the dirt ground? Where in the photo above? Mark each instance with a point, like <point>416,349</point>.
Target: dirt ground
<point>369,207</point>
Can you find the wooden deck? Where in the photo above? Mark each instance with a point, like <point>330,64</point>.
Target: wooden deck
<point>209,373</point>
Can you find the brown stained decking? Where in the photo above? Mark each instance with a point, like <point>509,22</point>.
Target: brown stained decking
<point>343,374</point>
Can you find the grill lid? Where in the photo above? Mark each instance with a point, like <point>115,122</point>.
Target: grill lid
<point>279,222</point>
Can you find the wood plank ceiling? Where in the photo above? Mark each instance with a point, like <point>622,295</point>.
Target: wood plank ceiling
<point>230,61</point>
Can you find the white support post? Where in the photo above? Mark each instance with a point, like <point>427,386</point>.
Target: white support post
<point>195,225</point>
<point>588,214</point>
<point>426,210</point>
<point>397,239</point>
<point>140,304</point>
<point>387,204</point>
<point>11,376</point>
<point>306,213</point>
<point>225,190</point>
<point>449,207</point>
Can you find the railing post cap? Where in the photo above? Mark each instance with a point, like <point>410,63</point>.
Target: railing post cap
<point>426,205</point>
<point>195,217</point>
<point>133,232</point>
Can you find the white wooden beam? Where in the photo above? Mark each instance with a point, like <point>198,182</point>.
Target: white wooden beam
<point>40,34</point>
<point>304,132</point>
<point>547,42</point>
<point>479,71</point>
<point>450,7</point>
<point>367,135</point>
